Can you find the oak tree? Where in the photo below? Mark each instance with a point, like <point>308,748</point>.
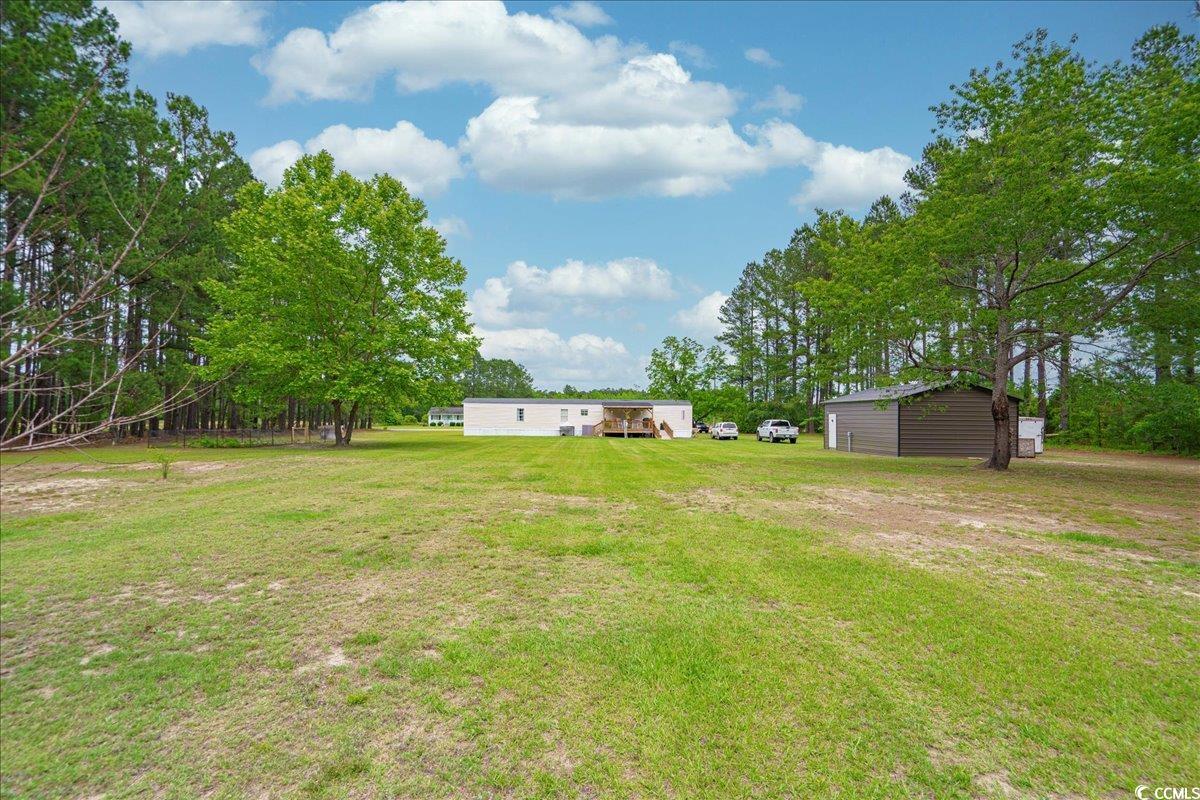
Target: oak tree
<point>340,292</point>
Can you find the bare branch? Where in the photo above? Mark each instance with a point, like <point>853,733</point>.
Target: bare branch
<point>1108,305</point>
<point>1077,272</point>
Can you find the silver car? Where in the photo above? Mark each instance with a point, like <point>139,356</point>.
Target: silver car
<point>724,430</point>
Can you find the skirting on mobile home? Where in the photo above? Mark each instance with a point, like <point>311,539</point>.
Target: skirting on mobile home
<point>647,419</point>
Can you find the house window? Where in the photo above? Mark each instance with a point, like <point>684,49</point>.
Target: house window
<point>520,415</point>
<point>683,413</point>
<point>562,415</point>
<point>583,412</point>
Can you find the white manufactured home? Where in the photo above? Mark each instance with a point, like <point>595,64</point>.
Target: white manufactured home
<point>445,416</point>
<point>658,419</point>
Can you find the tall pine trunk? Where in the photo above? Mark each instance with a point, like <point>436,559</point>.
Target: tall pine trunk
<point>1064,385</point>
<point>1025,381</point>
<point>1041,384</point>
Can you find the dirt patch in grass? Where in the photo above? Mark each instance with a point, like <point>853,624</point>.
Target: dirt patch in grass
<point>54,494</point>
<point>1140,461</point>
<point>944,529</point>
<point>704,499</point>
<point>534,503</point>
<point>914,511</point>
<point>56,488</point>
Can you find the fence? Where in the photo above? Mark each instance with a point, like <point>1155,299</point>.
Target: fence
<point>227,437</point>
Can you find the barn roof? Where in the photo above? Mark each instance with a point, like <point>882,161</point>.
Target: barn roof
<point>902,390</point>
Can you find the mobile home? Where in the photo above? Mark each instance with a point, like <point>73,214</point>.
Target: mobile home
<point>657,419</point>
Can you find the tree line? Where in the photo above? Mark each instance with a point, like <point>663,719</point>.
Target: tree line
<point>149,283</point>
<point>1049,234</point>
<point>1047,243</point>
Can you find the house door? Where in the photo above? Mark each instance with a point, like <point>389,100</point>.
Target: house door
<point>831,429</point>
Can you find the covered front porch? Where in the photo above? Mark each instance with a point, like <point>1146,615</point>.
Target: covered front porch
<point>631,420</point>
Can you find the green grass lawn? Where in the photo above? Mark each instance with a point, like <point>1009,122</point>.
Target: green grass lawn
<point>426,615</point>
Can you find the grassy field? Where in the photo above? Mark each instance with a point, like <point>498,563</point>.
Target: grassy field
<point>428,616</point>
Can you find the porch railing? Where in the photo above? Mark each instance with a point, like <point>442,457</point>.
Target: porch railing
<point>622,426</point>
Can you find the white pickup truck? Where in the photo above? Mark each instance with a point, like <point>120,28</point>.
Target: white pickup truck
<point>776,430</point>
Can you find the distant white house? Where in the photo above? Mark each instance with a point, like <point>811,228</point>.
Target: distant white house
<point>660,419</point>
<point>446,415</point>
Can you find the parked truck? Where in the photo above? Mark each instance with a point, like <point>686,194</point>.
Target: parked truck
<point>776,430</point>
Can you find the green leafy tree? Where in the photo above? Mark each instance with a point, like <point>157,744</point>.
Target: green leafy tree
<point>496,377</point>
<point>340,293</point>
<point>679,368</point>
<point>1055,190</point>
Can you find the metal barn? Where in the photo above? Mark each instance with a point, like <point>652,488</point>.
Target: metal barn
<point>916,419</point>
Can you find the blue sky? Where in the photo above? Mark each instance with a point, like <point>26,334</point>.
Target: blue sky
<point>603,170</point>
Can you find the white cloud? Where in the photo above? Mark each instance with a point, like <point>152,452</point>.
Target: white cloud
<point>429,44</point>
<point>573,117</point>
<point>584,358</point>
<point>647,89</point>
<point>693,54</point>
<point>781,100</point>
<point>269,163</point>
<point>158,28</point>
<point>615,280</point>
<point>489,305</point>
<point>843,177</point>
<point>511,146</point>
<point>527,294</point>
<point>757,55</point>
<point>701,319</point>
<point>451,227</point>
<point>581,13</point>
<point>425,166</point>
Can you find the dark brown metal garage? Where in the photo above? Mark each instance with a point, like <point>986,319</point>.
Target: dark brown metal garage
<point>916,419</point>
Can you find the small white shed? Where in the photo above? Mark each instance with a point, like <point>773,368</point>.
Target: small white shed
<point>1033,428</point>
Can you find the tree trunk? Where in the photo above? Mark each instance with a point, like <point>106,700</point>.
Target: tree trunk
<point>1064,384</point>
<point>7,378</point>
<point>1025,379</point>
<point>1041,384</point>
<point>340,438</point>
<point>350,422</point>
<point>1162,345</point>
<point>1001,438</point>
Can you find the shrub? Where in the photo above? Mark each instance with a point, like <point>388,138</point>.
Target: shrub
<point>1111,411</point>
<point>164,461</point>
<point>1173,421</point>
<point>218,441</point>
